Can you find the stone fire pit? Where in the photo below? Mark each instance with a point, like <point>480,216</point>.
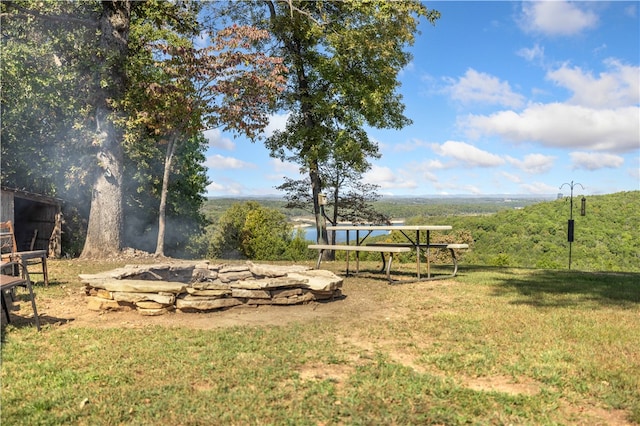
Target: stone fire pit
<point>191,287</point>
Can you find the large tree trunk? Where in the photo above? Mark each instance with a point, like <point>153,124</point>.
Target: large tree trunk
<point>105,229</point>
<point>104,233</point>
<point>321,224</point>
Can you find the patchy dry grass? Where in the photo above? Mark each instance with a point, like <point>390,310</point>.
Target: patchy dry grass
<point>493,346</point>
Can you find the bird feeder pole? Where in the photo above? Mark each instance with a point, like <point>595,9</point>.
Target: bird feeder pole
<point>570,223</point>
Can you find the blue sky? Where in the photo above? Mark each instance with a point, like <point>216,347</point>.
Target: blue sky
<point>505,98</point>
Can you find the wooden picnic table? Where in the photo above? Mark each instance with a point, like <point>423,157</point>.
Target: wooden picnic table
<point>413,241</point>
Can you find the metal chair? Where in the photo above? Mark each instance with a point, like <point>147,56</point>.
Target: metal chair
<point>10,282</point>
<point>10,253</point>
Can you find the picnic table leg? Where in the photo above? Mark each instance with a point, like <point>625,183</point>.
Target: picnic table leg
<point>357,253</point>
<point>428,263</point>
<point>347,254</point>
<point>418,253</point>
<point>389,267</point>
<point>455,262</point>
<point>319,258</point>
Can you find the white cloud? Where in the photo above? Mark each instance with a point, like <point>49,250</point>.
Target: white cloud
<point>218,162</point>
<point>276,122</point>
<point>228,187</point>
<point>534,163</point>
<point>536,53</point>
<point>467,154</point>
<point>386,178</point>
<point>216,140</point>
<point>560,125</point>
<point>511,177</point>
<point>409,68</point>
<point>618,87</point>
<point>408,146</point>
<point>631,11</point>
<point>556,18</point>
<point>288,169</point>
<point>595,160</point>
<point>429,176</point>
<point>215,187</point>
<point>479,87</point>
<point>435,165</point>
<point>426,169</point>
<point>378,175</point>
<point>601,48</point>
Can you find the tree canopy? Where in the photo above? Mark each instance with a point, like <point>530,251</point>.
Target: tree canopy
<point>180,89</point>
<point>114,91</point>
<point>343,60</point>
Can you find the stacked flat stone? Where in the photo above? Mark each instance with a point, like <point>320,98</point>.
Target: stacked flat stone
<point>192,287</point>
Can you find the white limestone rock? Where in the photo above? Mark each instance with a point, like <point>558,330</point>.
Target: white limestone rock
<point>164,298</point>
<point>206,305</point>
<point>271,271</point>
<point>318,279</point>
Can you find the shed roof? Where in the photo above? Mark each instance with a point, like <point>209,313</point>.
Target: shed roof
<point>45,199</point>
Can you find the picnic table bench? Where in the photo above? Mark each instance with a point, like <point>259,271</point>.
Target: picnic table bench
<point>369,248</point>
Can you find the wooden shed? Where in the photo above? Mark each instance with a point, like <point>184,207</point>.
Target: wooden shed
<point>36,218</point>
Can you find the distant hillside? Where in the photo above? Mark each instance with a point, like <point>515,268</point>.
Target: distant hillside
<point>396,207</point>
<point>606,239</point>
<point>405,207</point>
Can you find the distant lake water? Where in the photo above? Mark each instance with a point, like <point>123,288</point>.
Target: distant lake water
<point>310,234</point>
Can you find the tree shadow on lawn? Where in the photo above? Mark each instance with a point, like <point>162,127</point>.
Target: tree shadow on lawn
<point>401,273</point>
<point>554,288</point>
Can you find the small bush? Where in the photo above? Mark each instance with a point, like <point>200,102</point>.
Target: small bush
<point>256,232</point>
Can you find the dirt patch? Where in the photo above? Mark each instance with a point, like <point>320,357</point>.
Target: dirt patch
<point>72,311</point>
<point>336,373</point>
<point>503,384</point>
<point>593,415</point>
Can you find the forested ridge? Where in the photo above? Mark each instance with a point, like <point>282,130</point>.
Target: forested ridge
<point>606,238</point>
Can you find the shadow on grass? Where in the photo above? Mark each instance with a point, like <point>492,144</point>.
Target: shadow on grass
<point>18,319</point>
<point>554,288</point>
<point>403,274</point>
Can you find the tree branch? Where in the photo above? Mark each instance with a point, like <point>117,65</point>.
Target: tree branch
<point>302,12</point>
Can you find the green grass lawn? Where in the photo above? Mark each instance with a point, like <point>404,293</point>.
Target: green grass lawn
<point>493,346</point>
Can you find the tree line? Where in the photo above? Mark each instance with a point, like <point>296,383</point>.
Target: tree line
<point>104,103</point>
<point>605,239</point>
